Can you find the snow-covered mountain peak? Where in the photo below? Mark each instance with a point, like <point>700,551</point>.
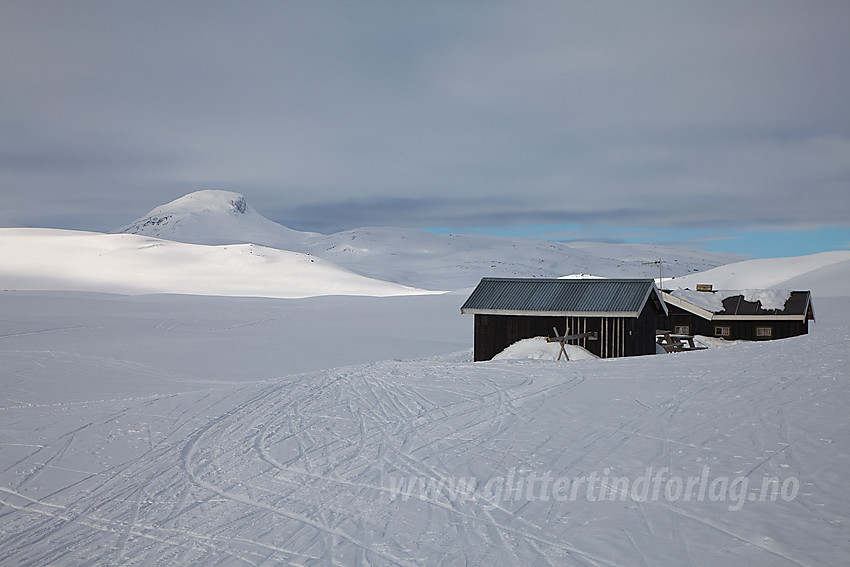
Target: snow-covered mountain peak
<point>206,202</point>
<point>410,256</point>
<point>214,217</point>
<point>209,200</point>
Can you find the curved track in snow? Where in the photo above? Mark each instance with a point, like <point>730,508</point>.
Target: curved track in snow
<point>365,465</point>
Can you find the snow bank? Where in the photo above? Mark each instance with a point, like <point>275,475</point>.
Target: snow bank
<point>715,342</point>
<point>538,349</point>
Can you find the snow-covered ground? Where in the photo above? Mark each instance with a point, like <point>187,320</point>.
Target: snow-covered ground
<point>162,430</point>
<point>353,430</point>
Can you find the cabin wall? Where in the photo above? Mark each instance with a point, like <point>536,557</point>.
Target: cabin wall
<point>495,333</point>
<point>612,334</point>
<point>617,336</point>
<point>586,325</point>
<point>747,330</point>
<point>642,336</point>
<point>738,330</point>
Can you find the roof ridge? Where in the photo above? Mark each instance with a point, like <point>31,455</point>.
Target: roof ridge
<point>505,278</point>
<point>620,296</point>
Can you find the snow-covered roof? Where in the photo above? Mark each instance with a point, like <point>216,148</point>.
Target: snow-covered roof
<point>743,303</point>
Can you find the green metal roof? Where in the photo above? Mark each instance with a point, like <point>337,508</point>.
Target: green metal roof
<point>573,297</point>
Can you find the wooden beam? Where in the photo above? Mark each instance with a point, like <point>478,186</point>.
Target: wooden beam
<point>562,339</point>
<point>559,338</point>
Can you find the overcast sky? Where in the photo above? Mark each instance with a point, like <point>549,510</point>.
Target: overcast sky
<point>675,117</point>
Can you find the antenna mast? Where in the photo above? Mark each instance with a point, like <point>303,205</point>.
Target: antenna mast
<point>660,265</point>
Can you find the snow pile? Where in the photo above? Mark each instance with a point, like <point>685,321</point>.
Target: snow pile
<point>769,298</point>
<point>715,342</point>
<point>32,259</point>
<point>537,348</point>
<point>713,300</point>
<point>825,275</point>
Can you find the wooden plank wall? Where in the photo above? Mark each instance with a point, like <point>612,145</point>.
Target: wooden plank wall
<point>495,333</point>
<point>642,339</point>
<point>740,330</point>
<point>617,336</point>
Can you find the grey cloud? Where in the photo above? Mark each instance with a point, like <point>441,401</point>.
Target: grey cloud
<point>332,114</point>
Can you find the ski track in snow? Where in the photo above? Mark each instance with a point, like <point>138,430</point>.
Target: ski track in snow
<point>298,470</point>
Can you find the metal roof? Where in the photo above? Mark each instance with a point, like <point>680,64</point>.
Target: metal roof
<point>735,307</point>
<point>572,297</point>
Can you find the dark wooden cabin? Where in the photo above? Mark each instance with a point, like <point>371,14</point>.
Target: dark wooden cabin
<point>623,313</point>
<point>738,319</point>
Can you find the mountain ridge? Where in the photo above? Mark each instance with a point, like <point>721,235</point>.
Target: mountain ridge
<point>412,257</point>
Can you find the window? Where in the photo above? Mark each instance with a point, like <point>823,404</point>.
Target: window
<point>764,332</point>
<point>722,331</point>
<point>682,330</point>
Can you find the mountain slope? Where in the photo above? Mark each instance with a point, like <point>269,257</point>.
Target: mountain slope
<point>425,259</point>
<point>824,274</point>
<point>410,256</point>
<point>215,217</point>
<point>32,258</point>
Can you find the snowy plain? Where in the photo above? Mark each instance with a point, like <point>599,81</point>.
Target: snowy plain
<point>166,429</point>
<point>162,430</point>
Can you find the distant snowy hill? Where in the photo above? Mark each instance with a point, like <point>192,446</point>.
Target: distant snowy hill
<point>825,274</point>
<point>215,217</point>
<point>416,257</point>
<point>48,259</point>
<point>409,256</point>
<point>215,243</point>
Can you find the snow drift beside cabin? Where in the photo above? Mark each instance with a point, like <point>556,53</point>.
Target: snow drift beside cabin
<point>537,348</point>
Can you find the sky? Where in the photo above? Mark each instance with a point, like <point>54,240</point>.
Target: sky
<point>722,125</point>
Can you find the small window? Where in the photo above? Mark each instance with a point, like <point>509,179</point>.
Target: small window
<point>722,331</point>
<point>682,330</point>
<point>764,332</point>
